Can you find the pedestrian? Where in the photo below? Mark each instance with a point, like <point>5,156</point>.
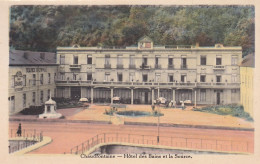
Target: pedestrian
<point>19,130</point>
<point>182,105</point>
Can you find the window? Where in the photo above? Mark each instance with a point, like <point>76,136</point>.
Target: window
<point>183,62</point>
<point>48,95</point>
<point>218,60</point>
<point>131,76</point>
<point>233,78</point>
<point>54,76</point>
<point>132,61</point>
<point>203,95</point>
<point>76,60</point>
<point>24,100</point>
<point>170,77</point>
<point>107,76</point>
<point>89,59</point>
<point>49,78</point>
<point>89,76</point>
<point>144,60</point>
<point>157,59</point>
<point>34,79</point>
<point>107,59</point>
<point>24,80</point>
<point>33,98</point>
<point>145,78</point>
<point>62,59</point>
<point>203,60</point>
<point>234,60</point>
<point>41,79</point>
<point>183,78</point>
<point>170,61</point>
<point>157,77</point>
<point>41,97</point>
<point>218,79</point>
<point>74,76</point>
<point>202,78</point>
<point>62,76</point>
<point>119,77</point>
<point>119,59</point>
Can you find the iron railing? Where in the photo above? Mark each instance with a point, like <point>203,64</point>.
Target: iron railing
<point>28,137</point>
<point>176,142</point>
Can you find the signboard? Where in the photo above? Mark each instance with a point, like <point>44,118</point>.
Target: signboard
<point>18,80</point>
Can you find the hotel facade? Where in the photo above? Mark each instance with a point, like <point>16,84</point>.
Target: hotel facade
<point>142,73</point>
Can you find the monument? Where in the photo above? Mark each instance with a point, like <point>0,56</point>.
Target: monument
<point>50,110</point>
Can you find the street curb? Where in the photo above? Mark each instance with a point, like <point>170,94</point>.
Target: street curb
<point>190,126</point>
<point>59,120</point>
<point>135,123</point>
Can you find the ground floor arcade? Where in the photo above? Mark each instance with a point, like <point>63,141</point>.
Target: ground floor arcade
<point>133,95</point>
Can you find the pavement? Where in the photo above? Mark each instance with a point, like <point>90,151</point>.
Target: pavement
<point>171,117</point>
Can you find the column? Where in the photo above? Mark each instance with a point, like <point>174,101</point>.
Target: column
<point>81,92</point>
<point>173,95</point>
<point>195,103</point>
<point>91,94</point>
<point>152,96</point>
<point>69,94</point>
<point>132,96</point>
<point>112,94</point>
<point>158,93</point>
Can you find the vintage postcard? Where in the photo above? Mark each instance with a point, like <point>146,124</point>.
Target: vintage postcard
<point>98,82</point>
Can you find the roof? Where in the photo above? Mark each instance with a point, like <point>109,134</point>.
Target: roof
<point>248,61</point>
<point>145,39</point>
<point>18,57</point>
<point>50,102</point>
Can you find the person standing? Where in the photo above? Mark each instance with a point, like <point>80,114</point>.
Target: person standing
<point>19,130</point>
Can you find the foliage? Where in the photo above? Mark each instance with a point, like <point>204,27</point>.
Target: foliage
<point>43,28</point>
<point>231,109</point>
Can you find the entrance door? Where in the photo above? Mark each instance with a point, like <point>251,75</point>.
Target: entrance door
<point>146,98</point>
<point>218,98</point>
<point>75,92</point>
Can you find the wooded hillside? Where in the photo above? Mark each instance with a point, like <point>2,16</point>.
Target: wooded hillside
<point>43,28</point>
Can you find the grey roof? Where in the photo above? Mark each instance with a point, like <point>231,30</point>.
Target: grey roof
<point>18,57</point>
<point>248,61</point>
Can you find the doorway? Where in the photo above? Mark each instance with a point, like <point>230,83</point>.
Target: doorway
<point>146,97</point>
<point>218,98</point>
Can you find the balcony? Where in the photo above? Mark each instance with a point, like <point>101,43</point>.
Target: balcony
<point>119,66</point>
<point>181,85</point>
<point>107,66</point>
<point>143,66</point>
<point>157,66</point>
<point>218,67</point>
<point>75,66</point>
<point>132,66</point>
<point>184,66</point>
<point>170,66</point>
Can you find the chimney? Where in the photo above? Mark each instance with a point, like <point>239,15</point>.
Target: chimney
<point>42,55</point>
<point>25,55</point>
<point>197,44</point>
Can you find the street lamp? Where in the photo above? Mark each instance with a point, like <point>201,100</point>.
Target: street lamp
<point>158,123</point>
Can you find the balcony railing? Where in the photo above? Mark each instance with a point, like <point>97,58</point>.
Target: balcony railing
<point>184,66</point>
<point>119,66</point>
<point>132,66</point>
<point>75,66</point>
<point>170,66</point>
<point>145,67</point>
<point>107,66</point>
<point>150,84</point>
<point>218,67</point>
<point>157,66</point>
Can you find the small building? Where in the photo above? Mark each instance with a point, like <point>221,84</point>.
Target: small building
<point>31,79</point>
<point>247,67</point>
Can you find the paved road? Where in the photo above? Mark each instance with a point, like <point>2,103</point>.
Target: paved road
<point>67,135</point>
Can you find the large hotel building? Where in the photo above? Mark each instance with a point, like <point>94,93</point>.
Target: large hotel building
<point>137,74</point>
<point>142,73</point>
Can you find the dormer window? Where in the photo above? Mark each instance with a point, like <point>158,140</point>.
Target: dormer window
<point>145,43</point>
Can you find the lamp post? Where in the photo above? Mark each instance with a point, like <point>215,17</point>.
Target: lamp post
<point>158,123</point>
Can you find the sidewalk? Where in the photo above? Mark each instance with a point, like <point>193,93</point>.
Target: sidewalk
<point>172,117</point>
